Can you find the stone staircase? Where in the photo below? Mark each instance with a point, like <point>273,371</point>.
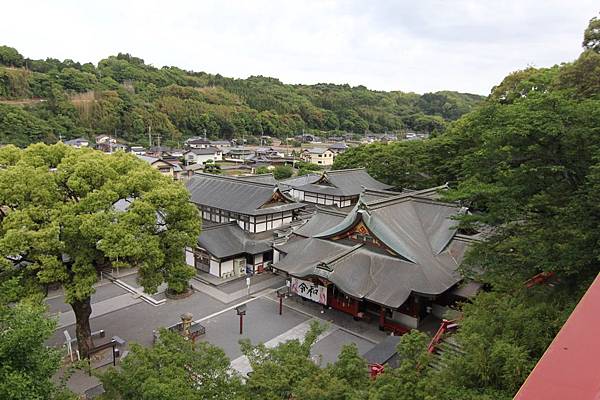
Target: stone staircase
<point>447,346</point>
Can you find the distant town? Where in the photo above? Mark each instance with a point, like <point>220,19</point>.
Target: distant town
<point>238,157</point>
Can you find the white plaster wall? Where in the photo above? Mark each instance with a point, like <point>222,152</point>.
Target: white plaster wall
<point>189,257</point>
<point>226,267</point>
<point>404,319</point>
<point>261,227</point>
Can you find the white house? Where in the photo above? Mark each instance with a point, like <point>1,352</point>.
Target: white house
<point>318,155</point>
<point>197,143</point>
<point>100,139</point>
<point>201,156</point>
<point>78,143</point>
<point>220,143</point>
<point>137,150</point>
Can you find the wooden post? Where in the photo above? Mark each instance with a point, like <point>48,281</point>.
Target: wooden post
<point>382,319</point>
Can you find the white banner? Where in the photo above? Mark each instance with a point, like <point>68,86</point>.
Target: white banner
<point>309,290</point>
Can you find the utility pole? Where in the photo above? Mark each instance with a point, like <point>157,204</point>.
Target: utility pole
<point>149,135</point>
<point>287,146</point>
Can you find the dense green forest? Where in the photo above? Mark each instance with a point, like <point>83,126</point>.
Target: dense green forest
<point>123,96</point>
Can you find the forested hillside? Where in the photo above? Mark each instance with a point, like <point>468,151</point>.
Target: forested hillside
<point>42,99</point>
<point>527,163</point>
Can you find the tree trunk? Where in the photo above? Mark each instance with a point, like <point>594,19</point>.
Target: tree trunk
<point>83,331</point>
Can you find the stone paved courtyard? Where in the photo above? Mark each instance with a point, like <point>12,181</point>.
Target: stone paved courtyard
<point>134,320</point>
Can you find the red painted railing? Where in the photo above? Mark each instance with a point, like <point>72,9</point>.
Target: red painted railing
<point>375,370</point>
<point>539,279</point>
<point>445,326</point>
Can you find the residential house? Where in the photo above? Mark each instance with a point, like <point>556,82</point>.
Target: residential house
<point>220,144</point>
<point>237,153</point>
<point>158,151</point>
<point>269,152</point>
<point>78,143</point>
<point>197,143</point>
<point>101,139</point>
<point>318,155</point>
<point>201,156</point>
<point>338,148</point>
<point>165,167</point>
<point>308,138</point>
<point>137,150</point>
<point>109,147</point>
<point>191,169</point>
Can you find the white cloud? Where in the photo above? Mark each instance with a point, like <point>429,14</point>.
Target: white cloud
<point>466,45</point>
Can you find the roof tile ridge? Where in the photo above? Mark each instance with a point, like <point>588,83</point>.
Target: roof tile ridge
<point>335,171</point>
<point>402,197</point>
<point>339,257</point>
<point>234,179</point>
<point>330,212</point>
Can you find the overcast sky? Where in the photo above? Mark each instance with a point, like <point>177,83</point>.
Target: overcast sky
<point>419,45</point>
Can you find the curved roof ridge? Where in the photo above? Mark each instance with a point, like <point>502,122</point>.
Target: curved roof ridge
<point>402,197</point>
<point>233,179</point>
<point>340,256</point>
<point>330,211</point>
<point>384,234</point>
<point>344,170</point>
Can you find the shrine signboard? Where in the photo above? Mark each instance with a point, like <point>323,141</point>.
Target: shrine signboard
<point>309,290</point>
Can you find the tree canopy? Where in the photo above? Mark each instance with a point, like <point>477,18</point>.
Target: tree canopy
<point>174,368</point>
<point>66,214</point>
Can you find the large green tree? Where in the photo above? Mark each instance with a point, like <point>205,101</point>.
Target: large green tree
<point>67,214</point>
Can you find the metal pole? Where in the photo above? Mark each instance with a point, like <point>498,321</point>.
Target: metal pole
<point>241,323</point>
<point>280,305</point>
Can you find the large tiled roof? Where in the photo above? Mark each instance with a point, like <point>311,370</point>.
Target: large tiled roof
<point>299,181</point>
<point>321,221</point>
<point>422,256</point>
<point>236,195</point>
<point>227,240</point>
<point>260,178</point>
<point>344,182</point>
